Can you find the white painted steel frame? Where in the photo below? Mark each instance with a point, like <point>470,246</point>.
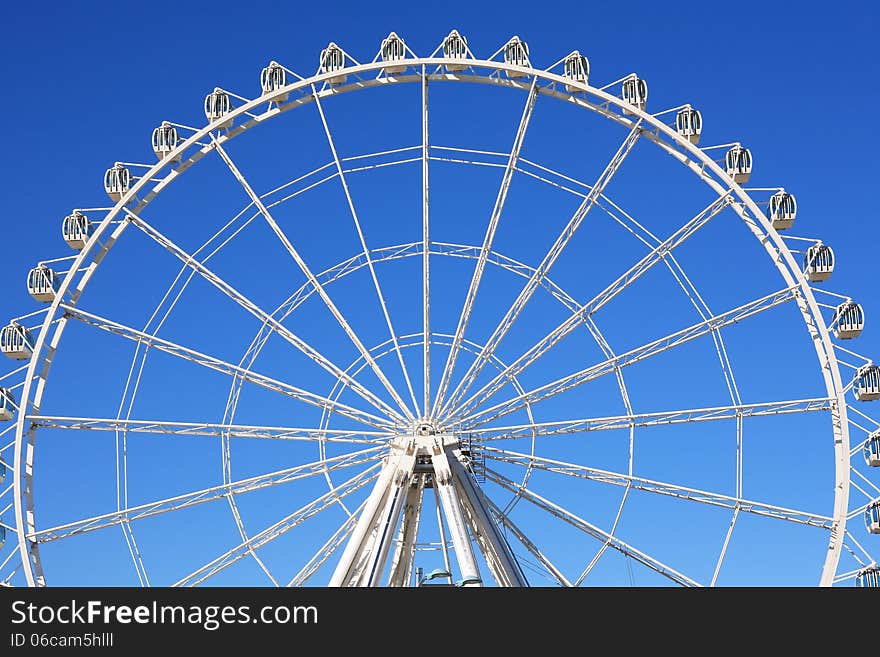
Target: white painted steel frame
<point>658,487</point>
<point>441,340</point>
<point>488,240</point>
<point>157,507</point>
<point>586,310</point>
<point>372,269</point>
<point>410,250</point>
<point>256,311</point>
<point>553,254</point>
<point>591,98</point>
<point>630,357</point>
<point>386,253</point>
<point>346,327</point>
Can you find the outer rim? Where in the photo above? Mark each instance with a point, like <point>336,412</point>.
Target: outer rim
<point>688,154</point>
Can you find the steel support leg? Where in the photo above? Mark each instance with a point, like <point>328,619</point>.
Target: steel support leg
<point>449,499</point>
<point>384,533</point>
<point>390,518</point>
<point>377,522</point>
<point>493,544</point>
<point>402,562</point>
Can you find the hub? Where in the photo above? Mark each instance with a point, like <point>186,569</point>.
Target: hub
<point>382,546</point>
<point>425,428</point>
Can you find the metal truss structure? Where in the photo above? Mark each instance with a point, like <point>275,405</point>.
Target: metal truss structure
<point>445,441</point>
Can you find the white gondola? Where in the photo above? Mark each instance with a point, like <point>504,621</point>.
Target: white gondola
<point>217,105</point>
<point>634,91</point>
<point>689,124</point>
<point>42,283</point>
<point>872,517</point>
<point>455,49</point>
<point>117,181</point>
<point>7,412</point>
<point>332,61</point>
<point>868,578</point>
<point>272,78</point>
<point>576,69</point>
<point>739,164</point>
<point>782,210</point>
<point>76,230</point>
<point>849,320</point>
<point>394,53</point>
<point>871,450</point>
<point>867,385</point>
<point>16,341</point>
<point>165,140</point>
<point>516,53</point>
<point>818,262</point>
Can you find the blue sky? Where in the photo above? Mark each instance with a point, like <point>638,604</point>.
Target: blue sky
<point>87,84</point>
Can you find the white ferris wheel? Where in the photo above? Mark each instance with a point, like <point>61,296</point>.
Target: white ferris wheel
<point>420,348</point>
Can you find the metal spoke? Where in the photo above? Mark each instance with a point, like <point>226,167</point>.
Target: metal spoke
<point>222,366</point>
<point>861,549</point>
<point>870,497</point>
<point>732,412</point>
<point>859,510</point>
<point>486,248</point>
<point>235,554</point>
<point>338,538</point>
<point>360,232</point>
<point>724,547</point>
<point>282,237</point>
<point>260,314</point>
<point>844,577</point>
<point>185,429</point>
<point>9,557</point>
<point>426,254</point>
<point>631,357</point>
<point>505,520</point>
<point>867,481</point>
<point>590,529</point>
<point>194,498</point>
<point>136,557</point>
<point>543,269</point>
<point>658,487</point>
<point>585,311</point>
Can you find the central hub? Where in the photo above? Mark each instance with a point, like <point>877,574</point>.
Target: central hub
<point>425,428</point>
<point>428,446</point>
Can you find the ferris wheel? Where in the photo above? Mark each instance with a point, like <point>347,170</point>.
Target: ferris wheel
<point>513,336</point>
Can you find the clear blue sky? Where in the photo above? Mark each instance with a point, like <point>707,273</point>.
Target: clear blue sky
<point>87,82</point>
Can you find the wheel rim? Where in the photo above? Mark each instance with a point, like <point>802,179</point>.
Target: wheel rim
<point>745,207</point>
